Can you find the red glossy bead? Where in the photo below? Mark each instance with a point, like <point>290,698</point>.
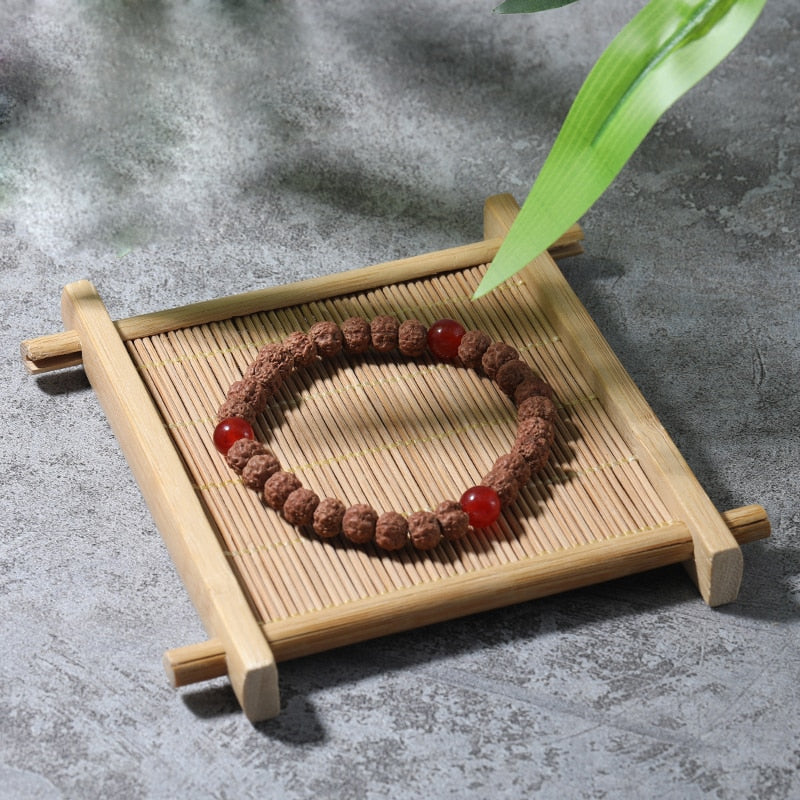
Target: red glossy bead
<point>444,337</point>
<point>482,505</point>
<point>230,430</point>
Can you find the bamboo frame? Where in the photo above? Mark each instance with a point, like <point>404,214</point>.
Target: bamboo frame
<point>249,630</point>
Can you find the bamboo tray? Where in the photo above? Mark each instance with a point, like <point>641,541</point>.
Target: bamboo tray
<point>616,497</point>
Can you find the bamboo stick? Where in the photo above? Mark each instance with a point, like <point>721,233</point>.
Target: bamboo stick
<point>717,565</point>
<point>511,583</point>
<point>176,509</point>
<point>60,350</point>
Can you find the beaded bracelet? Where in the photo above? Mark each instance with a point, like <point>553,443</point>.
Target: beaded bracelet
<point>479,506</point>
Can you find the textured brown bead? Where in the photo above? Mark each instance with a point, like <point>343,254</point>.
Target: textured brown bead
<point>383,332</point>
<point>507,476</point>
<point>453,520</point>
<point>328,515</point>
<point>358,524</point>
<point>247,394</point>
<point>512,374</point>
<point>247,390</point>
<point>236,407</point>
<point>328,338</point>
<point>424,530</point>
<point>534,439</point>
<point>300,506</point>
<point>258,469</point>
<point>412,338</point>
<point>538,428</point>
<point>241,451</point>
<point>355,332</point>
<point>495,356</point>
<point>273,358</point>
<point>535,451</point>
<point>532,387</point>
<point>273,364</point>
<point>473,345</point>
<point>391,531</point>
<point>302,347</point>
<point>278,487</point>
<point>537,406</point>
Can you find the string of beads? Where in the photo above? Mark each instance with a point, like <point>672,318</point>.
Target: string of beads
<point>447,340</point>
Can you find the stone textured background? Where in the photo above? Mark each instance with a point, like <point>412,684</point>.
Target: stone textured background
<point>174,152</point>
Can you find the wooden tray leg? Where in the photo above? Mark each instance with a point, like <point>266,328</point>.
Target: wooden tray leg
<point>173,503</point>
<point>717,564</point>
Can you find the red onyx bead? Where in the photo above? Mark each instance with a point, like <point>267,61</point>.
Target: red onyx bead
<point>482,505</point>
<point>230,430</point>
<point>444,337</point>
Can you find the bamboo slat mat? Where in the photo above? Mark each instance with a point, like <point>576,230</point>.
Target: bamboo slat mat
<point>401,435</point>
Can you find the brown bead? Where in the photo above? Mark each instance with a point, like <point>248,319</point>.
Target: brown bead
<point>532,387</point>
<point>507,476</point>
<point>241,451</point>
<point>495,356</point>
<point>538,428</point>
<point>424,530</point>
<point>391,531</point>
<point>274,358</point>
<point>258,469</point>
<point>278,487</point>
<point>534,439</point>
<point>473,345</point>
<point>248,390</point>
<point>537,406</point>
<point>236,407</point>
<point>300,506</point>
<point>272,365</point>
<point>512,374</point>
<point>383,332</point>
<point>535,451</point>
<point>358,523</point>
<point>328,338</point>
<point>412,338</point>
<point>453,520</point>
<point>328,515</point>
<point>355,331</point>
<point>302,347</point>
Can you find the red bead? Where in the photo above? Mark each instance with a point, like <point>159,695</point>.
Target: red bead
<point>482,505</point>
<point>230,430</point>
<point>444,337</point>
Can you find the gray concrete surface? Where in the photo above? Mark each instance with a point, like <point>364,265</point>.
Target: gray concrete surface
<point>174,152</point>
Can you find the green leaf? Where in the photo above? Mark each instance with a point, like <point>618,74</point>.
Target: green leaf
<point>529,6</point>
<point>658,56</point>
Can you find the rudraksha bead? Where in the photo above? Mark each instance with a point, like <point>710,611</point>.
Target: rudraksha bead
<point>473,345</point>
<point>241,451</point>
<point>532,387</point>
<point>412,338</point>
<point>299,507</point>
<point>328,516</point>
<point>537,405</point>
<point>391,531</point>
<point>278,487</point>
<point>453,520</point>
<point>424,530</point>
<point>358,523</point>
<point>511,374</point>
<point>497,353</point>
<point>258,469</point>
<point>356,333</point>
<point>328,338</point>
<point>302,347</point>
<point>383,333</point>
